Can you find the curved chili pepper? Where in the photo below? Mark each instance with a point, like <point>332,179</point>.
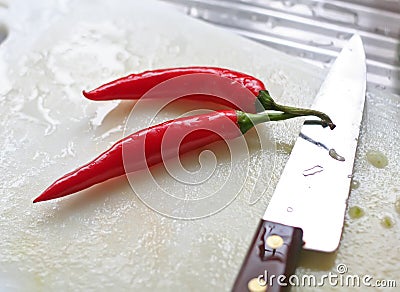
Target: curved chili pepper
<point>148,141</point>
<point>134,86</point>
<point>145,147</point>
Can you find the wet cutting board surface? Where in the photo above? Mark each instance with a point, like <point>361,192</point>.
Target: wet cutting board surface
<point>107,237</point>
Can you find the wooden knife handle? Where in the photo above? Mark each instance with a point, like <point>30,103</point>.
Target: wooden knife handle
<point>271,258</point>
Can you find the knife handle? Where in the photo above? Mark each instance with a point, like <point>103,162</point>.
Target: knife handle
<point>271,258</point>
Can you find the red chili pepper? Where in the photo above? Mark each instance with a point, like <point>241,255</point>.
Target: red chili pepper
<point>145,147</point>
<point>134,86</point>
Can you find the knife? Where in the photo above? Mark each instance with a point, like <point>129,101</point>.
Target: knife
<point>308,206</point>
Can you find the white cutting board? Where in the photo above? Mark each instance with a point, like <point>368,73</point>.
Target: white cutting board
<point>106,237</point>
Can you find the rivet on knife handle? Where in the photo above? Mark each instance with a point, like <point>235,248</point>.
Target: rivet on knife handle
<point>271,258</point>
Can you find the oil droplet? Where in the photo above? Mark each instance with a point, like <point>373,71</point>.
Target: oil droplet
<point>377,159</point>
<point>284,147</point>
<point>397,205</point>
<point>356,212</point>
<point>355,184</point>
<point>335,155</point>
<point>387,222</point>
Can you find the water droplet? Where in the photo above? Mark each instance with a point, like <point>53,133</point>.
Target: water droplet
<point>271,23</point>
<point>356,212</point>
<point>101,112</point>
<point>192,11</point>
<point>337,13</point>
<point>289,209</point>
<point>355,184</point>
<point>321,43</point>
<point>342,36</point>
<point>377,159</point>
<point>174,50</point>
<point>288,3</point>
<point>335,155</point>
<point>383,30</point>
<point>120,57</point>
<point>380,86</point>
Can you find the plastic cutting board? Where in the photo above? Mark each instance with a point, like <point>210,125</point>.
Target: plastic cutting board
<point>105,237</point>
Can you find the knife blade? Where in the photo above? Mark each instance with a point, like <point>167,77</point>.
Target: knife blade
<point>309,203</point>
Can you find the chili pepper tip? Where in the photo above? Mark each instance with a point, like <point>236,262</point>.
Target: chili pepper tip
<point>87,94</point>
<point>48,194</point>
<point>38,199</point>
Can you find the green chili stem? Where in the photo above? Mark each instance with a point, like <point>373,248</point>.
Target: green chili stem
<point>269,104</point>
<point>246,121</point>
